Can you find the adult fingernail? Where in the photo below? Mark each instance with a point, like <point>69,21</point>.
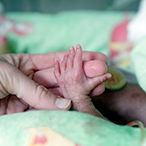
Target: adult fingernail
<point>63,103</point>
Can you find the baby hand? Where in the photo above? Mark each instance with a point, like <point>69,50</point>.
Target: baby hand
<point>71,77</point>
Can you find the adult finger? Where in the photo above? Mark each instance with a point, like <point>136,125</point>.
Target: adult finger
<point>49,58</point>
<point>98,90</point>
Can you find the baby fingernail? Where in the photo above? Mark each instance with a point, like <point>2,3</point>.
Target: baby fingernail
<point>78,46</point>
<point>71,48</point>
<point>109,76</point>
<point>62,103</point>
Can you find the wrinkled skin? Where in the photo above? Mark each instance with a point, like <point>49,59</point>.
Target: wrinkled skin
<point>18,89</point>
<point>73,82</point>
<point>24,82</point>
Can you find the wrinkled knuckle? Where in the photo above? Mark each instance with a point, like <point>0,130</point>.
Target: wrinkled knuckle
<point>41,92</point>
<point>6,66</point>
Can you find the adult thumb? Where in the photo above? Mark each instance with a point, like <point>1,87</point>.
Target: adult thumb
<point>13,81</point>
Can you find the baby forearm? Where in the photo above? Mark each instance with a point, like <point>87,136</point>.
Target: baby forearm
<point>83,104</point>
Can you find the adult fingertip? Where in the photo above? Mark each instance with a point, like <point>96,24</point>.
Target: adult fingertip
<point>62,103</point>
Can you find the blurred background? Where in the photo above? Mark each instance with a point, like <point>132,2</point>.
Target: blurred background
<point>53,6</point>
<point>43,26</point>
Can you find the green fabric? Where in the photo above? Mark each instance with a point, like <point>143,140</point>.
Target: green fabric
<point>138,57</point>
<point>56,32</point>
<point>78,127</point>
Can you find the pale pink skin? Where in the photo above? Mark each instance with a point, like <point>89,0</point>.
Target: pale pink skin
<point>16,87</point>
<point>92,69</point>
<point>94,64</point>
<point>74,83</point>
<point>18,70</point>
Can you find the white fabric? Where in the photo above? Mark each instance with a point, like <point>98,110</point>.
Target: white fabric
<point>137,27</point>
<point>138,57</point>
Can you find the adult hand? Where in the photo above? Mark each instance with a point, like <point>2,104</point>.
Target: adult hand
<point>18,90</point>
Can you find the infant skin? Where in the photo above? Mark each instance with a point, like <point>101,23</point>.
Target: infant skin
<point>74,84</point>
